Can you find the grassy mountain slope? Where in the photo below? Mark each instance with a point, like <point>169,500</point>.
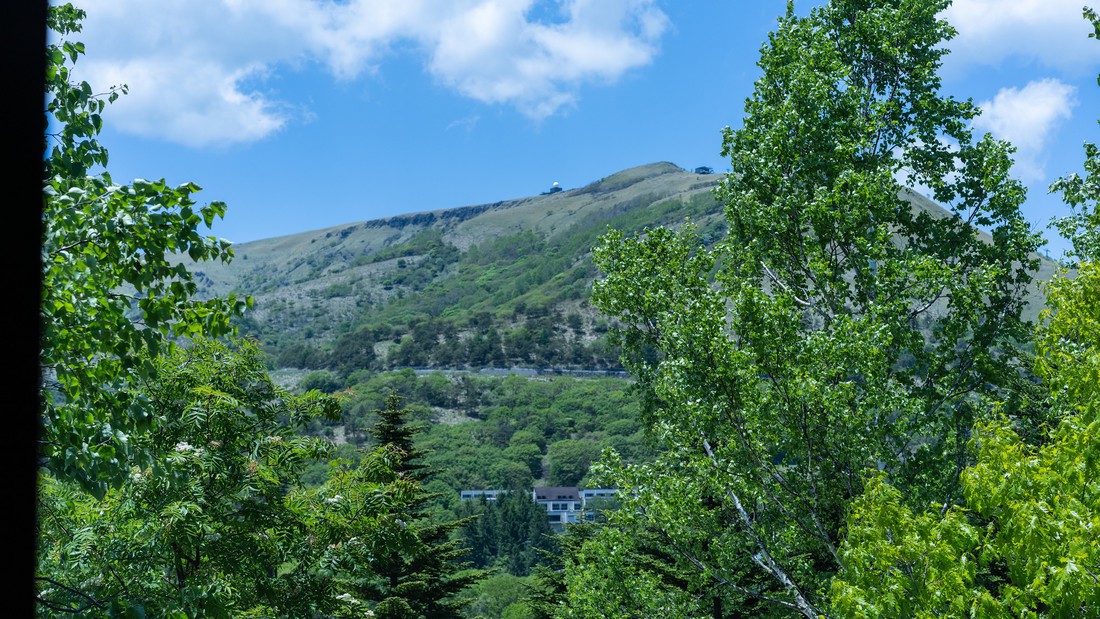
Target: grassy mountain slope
<point>501,285</point>
<point>458,274</point>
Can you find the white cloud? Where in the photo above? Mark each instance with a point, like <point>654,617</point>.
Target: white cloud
<point>492,53</point>
<point>210,109</point>
<point>1052,33</point>
<point>197,68</point>
<point>1026,117</point>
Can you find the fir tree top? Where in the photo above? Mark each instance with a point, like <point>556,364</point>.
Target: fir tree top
<point>393,429</point>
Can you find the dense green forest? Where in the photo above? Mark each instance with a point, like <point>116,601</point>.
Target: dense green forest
<point>817,395</point>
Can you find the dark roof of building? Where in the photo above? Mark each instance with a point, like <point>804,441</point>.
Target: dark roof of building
<point>557,493</point>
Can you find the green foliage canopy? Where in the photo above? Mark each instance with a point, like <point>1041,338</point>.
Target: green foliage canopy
<point>1029,547</point>
<point>510,532</point>
<point>214,527</point>
<point>1037,554</point>
<point>835,330</point>
<point>569,461</point>
<point>114,293</point>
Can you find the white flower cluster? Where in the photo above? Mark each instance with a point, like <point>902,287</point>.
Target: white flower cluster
<point>185,447</point>
<point>346,597</point>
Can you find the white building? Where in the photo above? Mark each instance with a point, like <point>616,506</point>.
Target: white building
<point>564,504</point>
<point>490,495</point>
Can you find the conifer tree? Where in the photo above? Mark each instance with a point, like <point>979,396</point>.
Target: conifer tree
<point>394,429</point>
<point>547,591</point>
<point>511,532</point>
<point>424,580</point>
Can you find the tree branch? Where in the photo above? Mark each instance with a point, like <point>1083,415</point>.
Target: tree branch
<point>764,558</point>
<point>53,606</point>
<point>722,581</point>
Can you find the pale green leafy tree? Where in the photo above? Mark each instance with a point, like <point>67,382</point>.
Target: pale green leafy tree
<point>1030,547</point>
<point>837,327</point>
<point>114,292</point>
<point>928,558</point>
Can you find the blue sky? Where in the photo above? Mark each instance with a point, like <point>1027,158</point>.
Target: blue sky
<point>304,114</point>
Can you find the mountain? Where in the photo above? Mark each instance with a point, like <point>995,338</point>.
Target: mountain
<point>491,285</point>
<point>345,297</point>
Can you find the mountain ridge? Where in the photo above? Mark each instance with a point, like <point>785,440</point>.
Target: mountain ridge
<point>421,289</point>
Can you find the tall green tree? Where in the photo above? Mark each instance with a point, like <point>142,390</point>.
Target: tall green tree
<point>839,326</point>
<point>1028,544</point>
<point>114,292</point>
<point>1024,543</point>
<point>394,429</point>
<point>424,579</point>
